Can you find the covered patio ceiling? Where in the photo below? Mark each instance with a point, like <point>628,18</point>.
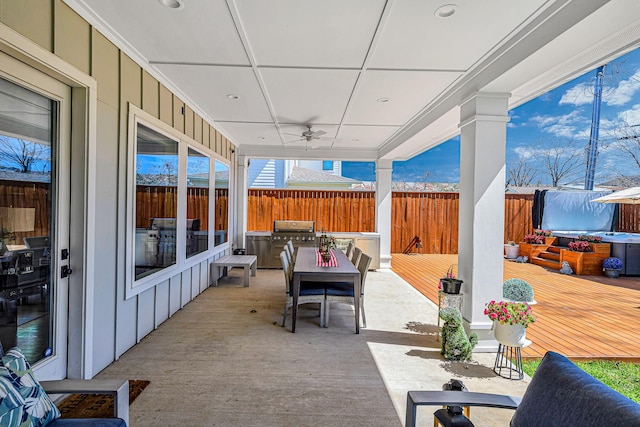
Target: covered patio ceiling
<point>383,78</point>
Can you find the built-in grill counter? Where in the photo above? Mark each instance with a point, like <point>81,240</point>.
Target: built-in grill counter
<point>266,245</point>
<point>369,243</point>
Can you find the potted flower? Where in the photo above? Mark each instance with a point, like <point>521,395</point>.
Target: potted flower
<point>327,242</point>
<point>449,284</point>
<point>580,246</point>
<point>534,239</point>
<point>612,267</point>
<point>511,249</point>
<point>510,320</point>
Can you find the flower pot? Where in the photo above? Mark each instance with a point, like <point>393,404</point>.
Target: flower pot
<point>612,273</point>
<point>451,286</point>
<point>511,251</point>
<point>510,335</point>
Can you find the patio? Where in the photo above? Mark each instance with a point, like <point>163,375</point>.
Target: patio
<point>224,359</point>
<point>578,316</point>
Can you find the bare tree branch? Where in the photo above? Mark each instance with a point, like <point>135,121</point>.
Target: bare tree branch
<point>560,161</point>
<point>521,174</point>
<point>23,154</point>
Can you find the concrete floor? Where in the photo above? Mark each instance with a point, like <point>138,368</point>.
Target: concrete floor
<point>224,360</point>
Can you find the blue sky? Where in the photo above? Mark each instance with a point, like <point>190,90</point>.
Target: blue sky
<point>559,118</point>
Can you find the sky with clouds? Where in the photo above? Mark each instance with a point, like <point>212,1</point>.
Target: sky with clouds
<point>557,120</point>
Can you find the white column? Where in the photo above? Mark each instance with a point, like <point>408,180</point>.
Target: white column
<point>383,210</point>
<point>242,197</point>
<point>483,119</point>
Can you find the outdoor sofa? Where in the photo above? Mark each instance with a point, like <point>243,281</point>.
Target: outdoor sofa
<point>560,394</point>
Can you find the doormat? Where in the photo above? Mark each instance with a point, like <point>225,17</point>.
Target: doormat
<point>96,405</point>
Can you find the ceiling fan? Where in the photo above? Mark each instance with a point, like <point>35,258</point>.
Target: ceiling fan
<point>310,137</point>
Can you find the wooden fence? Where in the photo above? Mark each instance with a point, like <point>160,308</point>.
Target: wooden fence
<point>154,201</point>
<point>336,211</point>
<point>433,217</point>
<point>29,195</point>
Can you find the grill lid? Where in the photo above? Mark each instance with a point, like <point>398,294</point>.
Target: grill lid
<point>293,226</point>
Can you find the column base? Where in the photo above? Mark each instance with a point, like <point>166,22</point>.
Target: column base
<point>385,261</point>
<point>486,341</point>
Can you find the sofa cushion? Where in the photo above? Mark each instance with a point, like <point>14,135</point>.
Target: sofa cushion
<point>88,422</point>
<point>561,394</point>
<point>28,405</point>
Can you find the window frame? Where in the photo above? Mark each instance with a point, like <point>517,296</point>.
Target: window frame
<point>134,287</point>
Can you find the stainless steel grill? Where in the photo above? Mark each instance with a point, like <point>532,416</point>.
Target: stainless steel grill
<point>301,233</point>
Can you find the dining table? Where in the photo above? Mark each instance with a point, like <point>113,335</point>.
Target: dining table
<point>306,269</point>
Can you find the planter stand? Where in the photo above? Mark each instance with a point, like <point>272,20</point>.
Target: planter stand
<point>509,358</point>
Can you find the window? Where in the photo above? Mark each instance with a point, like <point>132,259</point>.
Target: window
<point>222,203</point>
<point>197,230</point>
<point>174,221</point>
<point>156,201</point>
<point>327,165</point>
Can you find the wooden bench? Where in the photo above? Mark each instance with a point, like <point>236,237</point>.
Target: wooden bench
<point>245,261</point>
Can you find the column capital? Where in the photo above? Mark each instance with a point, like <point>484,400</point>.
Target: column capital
<point>384,164</point>
<point>484,107</point>
<point>242,160</point>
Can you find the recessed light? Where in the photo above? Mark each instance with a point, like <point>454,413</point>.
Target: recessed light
<point>232,96</point>
<point>172,4</point>
<point>383,99</point>
<point>446,11</point>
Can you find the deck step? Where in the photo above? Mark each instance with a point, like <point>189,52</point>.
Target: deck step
<point>552,256</point>
<point>555,249</point>
<point>548,263</point>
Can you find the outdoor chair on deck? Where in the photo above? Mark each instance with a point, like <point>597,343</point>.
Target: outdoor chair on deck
<point>343,292</point>
<point>309,291</point>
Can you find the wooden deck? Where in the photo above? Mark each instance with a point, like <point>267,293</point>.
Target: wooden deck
<point>578,316</point>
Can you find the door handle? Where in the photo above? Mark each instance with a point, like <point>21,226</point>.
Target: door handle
<point>65,271</point>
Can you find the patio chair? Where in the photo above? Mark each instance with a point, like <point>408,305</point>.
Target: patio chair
<point>560,394</point>
<point>289,255</point>
<point>309,292</point>
<point>355,258</point>
<point>343,292</point>
<point>349,250</point>
<point>291,250</point>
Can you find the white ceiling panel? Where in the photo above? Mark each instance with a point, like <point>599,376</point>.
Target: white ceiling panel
<point>407,93</point>
<point>311,33</point>
<point>327,62</point>
<point>307,95</point>
<point>253,133</point>
<point>414,37</point>
<point>202,32</point>
<point>364,136</point>
<point>209,87</point>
